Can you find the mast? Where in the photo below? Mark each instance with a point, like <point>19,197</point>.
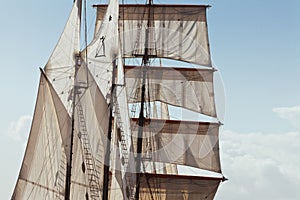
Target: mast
<point>77,65</point>
<point>69,166</point>
<point>108,144</point>
<point>141,119</point>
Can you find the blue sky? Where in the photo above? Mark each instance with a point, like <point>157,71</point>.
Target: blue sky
<point>254,44</point>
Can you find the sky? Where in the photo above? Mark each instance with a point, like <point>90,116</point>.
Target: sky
<point>254,44</point>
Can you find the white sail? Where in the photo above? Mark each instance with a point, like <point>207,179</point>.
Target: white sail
<point>43,170</point>
<point>122,112</point>
<point>103,50</point>
<point>115,190</point>
<point>60,67</point>
<point>91,126</point>
<point>124,133</point>
<point>189,143</point>
<point>103,54</point>
<point>176,32</point>
<point>165,187</point>
<point>164,111</point>
<point>188,88</point>
<point>118,183</point>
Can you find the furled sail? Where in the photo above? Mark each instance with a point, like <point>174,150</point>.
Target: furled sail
<point>176,32</point>
<point>188,143</point>
<point>188,88</point>
<point>43,173</point>
<point>60,67</point>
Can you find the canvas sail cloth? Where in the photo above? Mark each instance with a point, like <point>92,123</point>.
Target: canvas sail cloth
<point>125,157</point>
<point>103,54</point>
<point>175,31</point>
<point>165,187</point>
<point>43,170</point>
<point>103,51</point>
<point>60,67</point>
<point>188,88</point>
<point>91,126</point>
<point>188,143</point>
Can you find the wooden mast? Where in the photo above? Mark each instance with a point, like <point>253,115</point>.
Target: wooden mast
<point>69,166</point>
<point>77,65</point>
<point>141,119</point>
<point>108,144</point>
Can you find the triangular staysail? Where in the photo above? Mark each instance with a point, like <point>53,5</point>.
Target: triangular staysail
<point>103,51</point>
<point>90,126</point>
<point>43,171</point>
<point>60,68</point>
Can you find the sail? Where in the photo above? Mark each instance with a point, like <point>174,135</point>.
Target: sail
<point>118,182</point>
<point>60,67</point>
<point>91,126</point>
<point>122,112</point>
<point>43,170</point>
<point>103,50</point>
<point>190,143</point>
<point>165,186</point>
<point>176,32</point>
<point>123,132</point>
<point>102,55</point>
<point>189,88</point>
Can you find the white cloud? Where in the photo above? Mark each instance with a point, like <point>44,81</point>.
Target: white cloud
<point>19,129</point>
<point>292,114</point>
<point>260,166</point>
